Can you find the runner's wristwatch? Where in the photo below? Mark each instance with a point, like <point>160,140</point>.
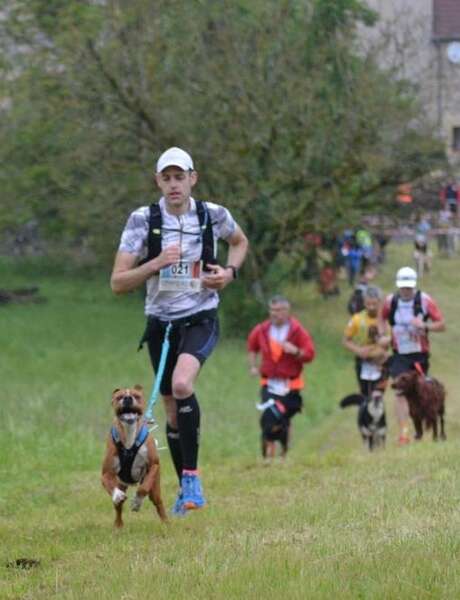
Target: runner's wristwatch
<point>234,270</point>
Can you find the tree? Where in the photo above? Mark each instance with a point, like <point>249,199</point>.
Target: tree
<point>290,123</point>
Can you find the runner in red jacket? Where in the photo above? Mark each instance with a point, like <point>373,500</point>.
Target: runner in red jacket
<point>284,346</point>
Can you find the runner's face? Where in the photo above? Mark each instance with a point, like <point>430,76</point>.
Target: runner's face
<point>369,274</point>
<point>279,313</point>
<point>407,293</point>
<point>176,186</point>
<point>372,306</point>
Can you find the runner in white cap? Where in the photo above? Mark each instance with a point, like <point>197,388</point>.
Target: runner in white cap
<point>171,246</point>
<point>412,314</point>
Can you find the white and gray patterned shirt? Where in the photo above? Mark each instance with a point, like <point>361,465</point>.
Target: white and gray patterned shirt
<point>183,230</point>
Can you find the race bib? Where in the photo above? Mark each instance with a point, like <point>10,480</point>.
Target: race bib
<point>280,387</point>
<point>182,277</point>
<point>407,339</point>
<point>370,371</point>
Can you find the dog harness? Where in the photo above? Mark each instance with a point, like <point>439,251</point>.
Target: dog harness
<point>277,408</point>
<point>128,455</point>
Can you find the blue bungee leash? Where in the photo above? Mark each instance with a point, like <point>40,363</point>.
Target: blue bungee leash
<point>149,418</point>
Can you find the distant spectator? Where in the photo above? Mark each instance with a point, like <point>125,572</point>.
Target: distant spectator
<point>423,225</point>
<point>312,241</point>
<point>422,254</point>
<point>327,266</point>
<point>364,240</point>
<point>445,238</point>
<point>356,301</point>
<point>450,197</point>
<point>382,241</point>
<point>353,254</point>
<point>328,285</point>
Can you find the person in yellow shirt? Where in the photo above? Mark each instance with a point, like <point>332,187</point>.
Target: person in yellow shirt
<point>361,337</point>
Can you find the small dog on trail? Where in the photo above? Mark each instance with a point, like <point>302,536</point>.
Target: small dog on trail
<point>131,456</point>
<point>426,399</point>
<point>371,417</point>
<point>275,428</point>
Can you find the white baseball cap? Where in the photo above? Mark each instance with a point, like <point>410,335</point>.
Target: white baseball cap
<point>406,277</point>
<point>175,157</point>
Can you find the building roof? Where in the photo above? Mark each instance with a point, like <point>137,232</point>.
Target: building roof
<point>446,20</point>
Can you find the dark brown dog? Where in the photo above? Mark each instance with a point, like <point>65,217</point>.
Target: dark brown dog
<point>426,399</point>
<point>131,457</point>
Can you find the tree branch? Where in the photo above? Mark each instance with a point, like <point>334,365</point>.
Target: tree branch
<point>130,102</point>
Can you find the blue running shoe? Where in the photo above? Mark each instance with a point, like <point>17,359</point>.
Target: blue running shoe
<point>192,493</point>
<point>178,509</point>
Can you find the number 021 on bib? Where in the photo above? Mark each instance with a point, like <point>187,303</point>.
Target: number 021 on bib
<point>182,277</point>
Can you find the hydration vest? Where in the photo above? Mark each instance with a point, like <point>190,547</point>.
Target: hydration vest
<point>418,309</point>
<point>128,455</point>
<point>208,255</point>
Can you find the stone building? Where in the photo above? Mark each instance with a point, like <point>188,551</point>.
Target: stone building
<point>424,36</point>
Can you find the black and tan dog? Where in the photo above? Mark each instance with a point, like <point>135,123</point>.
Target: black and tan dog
<point>131,456</point>
<point>371,417</point>
<point>274,425</point>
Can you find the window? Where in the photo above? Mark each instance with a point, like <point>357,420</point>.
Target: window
<point>456,139</point>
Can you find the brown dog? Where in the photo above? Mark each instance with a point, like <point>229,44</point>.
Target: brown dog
<point>131,456</point>
<point>426,399</point>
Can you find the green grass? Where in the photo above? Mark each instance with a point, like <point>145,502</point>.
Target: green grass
<point>333,521</point>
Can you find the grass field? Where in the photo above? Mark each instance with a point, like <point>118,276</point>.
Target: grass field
<point>333,521</point>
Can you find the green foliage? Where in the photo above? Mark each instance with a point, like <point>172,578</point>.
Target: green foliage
<point>290,125</point>
<point>240,309</point>
<point>332,16</point>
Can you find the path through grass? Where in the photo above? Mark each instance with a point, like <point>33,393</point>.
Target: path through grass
<point>333,521</point>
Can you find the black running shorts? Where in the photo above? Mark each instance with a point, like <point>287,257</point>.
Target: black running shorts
<point>401,363</point>
<point>196,336</point>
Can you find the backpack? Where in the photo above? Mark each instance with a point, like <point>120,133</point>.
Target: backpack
<point>418,309</point>
<point>208,255</point>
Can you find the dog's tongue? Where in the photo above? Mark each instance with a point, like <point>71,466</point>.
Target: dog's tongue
<point>128,418</point>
